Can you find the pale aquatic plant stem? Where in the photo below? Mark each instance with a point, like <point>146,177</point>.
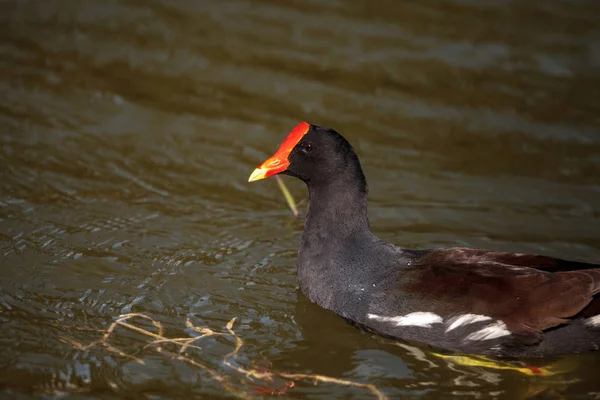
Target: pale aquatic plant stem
<point>288,196</point>
<point>187,343</point>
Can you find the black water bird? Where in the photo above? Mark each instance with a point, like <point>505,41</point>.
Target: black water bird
<point>460,299</point>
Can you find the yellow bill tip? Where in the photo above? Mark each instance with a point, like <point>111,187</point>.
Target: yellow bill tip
<point>258,174</point>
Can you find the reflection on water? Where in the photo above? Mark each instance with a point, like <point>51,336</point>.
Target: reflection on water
<point>129,129</point>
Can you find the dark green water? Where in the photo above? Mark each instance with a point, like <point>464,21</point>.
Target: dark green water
<point>128,130</point>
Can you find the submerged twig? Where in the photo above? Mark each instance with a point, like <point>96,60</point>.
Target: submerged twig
<point>158,341</point>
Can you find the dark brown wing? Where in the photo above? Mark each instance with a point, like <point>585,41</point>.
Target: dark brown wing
<point>504,286</point>
<point>465,255</point>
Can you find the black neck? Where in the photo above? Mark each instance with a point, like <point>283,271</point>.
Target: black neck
<point>338,208</point>
<point>335,252</point>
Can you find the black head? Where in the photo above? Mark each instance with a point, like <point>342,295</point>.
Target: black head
<point>316,155</point>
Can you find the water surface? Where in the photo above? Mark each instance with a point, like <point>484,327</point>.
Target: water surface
<point>128,130</point>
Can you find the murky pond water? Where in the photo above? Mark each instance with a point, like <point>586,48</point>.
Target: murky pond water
<point>128,130</point>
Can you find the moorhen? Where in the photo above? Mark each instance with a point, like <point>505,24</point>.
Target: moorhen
<point>464,300</point>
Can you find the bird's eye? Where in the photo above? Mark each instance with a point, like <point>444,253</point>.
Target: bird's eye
<point>308,147</point>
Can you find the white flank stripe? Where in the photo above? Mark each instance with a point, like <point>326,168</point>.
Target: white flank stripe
<point>593,321</point>
<point>492,331</point>
<point>466,319</point>
<point>419,318</point>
